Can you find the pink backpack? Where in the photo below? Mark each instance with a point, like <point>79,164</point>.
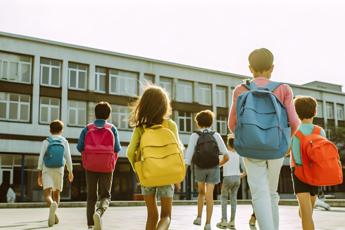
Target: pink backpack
<point>98,154</point>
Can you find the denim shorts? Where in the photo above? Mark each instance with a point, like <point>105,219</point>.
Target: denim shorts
<point>211,176</point>
<point>161,191</point>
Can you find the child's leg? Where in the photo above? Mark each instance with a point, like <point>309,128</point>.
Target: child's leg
<point>105,181</point>
<point>91,183</point>
<point>152,212</point>
<point>56,196</point>
<point>48,196</point>
<point>209,202</point>
<point>165,218</point>
<point>201,196</point>
<point>224,197</point>
<point>306,210</point>
<point>235,184</point>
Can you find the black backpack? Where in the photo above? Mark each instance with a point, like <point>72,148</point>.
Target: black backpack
<point>206,153</point>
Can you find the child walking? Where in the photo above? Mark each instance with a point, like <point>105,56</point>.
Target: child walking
<point>263,150</point>
<point>306,194</point>
<point>203,150</point>
<point>231,182</point>
<point>55,153</point>
<point>99,144</point>
<point>150,116</point>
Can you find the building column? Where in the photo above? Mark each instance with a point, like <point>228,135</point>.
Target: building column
<point>214,106</point>
<point>324,108</point>
<point>335,114</point>
<point>141,79</point>
<point>36,89</point>
<point>22,181</point>
<point>156,79</point>
<point>195,92</point>
<point>174,89</point>
<point>64,91</point>
<point>91,77</point>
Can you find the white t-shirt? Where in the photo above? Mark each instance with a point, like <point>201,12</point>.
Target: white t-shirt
<point>233,165</point>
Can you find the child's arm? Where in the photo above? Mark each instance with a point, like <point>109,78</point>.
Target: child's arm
<point>69,164</point>
<point>40,162</point>
<point>290,109</point>
<point>80,145</point>
<point>173,128</point>
<point>191,148</point>
<point>133,146</point>
<point>117,147</point>
<point>224,160</point>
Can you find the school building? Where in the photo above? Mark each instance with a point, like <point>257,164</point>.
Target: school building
<point>43,80</point>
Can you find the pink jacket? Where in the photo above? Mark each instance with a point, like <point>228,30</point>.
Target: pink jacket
<point>284,94</point>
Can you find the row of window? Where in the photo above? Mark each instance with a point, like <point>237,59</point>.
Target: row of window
<point>339,109</point>
<point>18,68</point>
<point>16,107</point>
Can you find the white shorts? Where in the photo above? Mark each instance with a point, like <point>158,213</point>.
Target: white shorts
<point>52,180</point>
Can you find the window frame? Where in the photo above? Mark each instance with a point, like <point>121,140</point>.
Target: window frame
<point>117,109</point>
<point>220,90</point>
<point>77,111</point>
<point>185,118</point>
<point>20,63</point>
<point>184,88</point>
<point>78,71</point>
<point>50,68</point>
<point>222,122</point>
<point>203,88</point>
<point>49,106</point>
<point>19,105</point>
<point>126,79</point>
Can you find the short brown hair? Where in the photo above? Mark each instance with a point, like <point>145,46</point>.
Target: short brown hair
<point>151,108</point>
<point>305,107</point>
<point>204,118</point>
<point>102,110</point>
<point>261,60</point>
<point>56,126</point>
<point>230,141</point>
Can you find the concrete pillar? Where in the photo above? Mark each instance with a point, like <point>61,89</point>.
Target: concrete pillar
<point>156,79</point>
<point>195,92</point>
<point>35,100</point>
<point>64,91</point>
<point>214,107</point>
<point>91,77</point>
<point>141,79</point>
<point>335,114</point>
<point>324,108</point>
<point>174,89</point>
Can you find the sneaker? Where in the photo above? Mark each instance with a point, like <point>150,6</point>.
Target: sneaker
<point>207,227</point>
<point>52,210</point>
<point>97,220</point>
<point>56,219</point>
<point>231,224</point>
<point>223,224</point>
<point>197,221</point>
<point>90,227</point>
<point>252,220</point>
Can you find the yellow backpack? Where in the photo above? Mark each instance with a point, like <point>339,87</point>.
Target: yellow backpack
<point>161,160</point>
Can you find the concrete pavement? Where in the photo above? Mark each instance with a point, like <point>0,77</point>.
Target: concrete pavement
<point>133,218</point>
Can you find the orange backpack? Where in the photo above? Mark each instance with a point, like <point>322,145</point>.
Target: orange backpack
<point>320,160</point>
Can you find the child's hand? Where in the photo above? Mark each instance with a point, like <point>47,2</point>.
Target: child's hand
<point>70,177</point>
<point>39,181</point>
<point>177,187</point>
<point>243,175</point>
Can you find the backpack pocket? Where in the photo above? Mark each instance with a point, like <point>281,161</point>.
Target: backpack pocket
<point>99,162</point>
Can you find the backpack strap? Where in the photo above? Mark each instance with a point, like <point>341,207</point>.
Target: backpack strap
<point>299,135</point>
<point>198,132</point>
<point>272,86</point>
<point>50,139</point>
<point>316,129</point>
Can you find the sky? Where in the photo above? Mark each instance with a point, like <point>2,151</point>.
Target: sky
<point>307,37</point>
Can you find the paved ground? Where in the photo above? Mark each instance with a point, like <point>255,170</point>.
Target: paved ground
<point>133,218</point>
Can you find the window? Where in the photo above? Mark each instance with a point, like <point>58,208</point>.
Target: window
<point>149,79</point>
<point>184,91</point>
<point>319,109</point>
<point>166,83</point>
<point>76,113</point>
<point>119,116</point>
<point>205,94</point>
<point>77,76</point>
<point>50,72</point>
<point>100,78</point>
<point>16,68</point>
<point>123,83</point>
<point>14,107</point>
<point>221,96</point>
<point>340,112</point>
<point>49,109</point>
<point>330,111</point>
<point>185,122</point>
<point>222,125</point>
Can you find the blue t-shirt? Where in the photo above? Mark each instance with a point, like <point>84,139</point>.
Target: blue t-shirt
<point>306,129</point>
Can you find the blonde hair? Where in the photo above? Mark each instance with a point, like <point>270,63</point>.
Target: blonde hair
<point>261,60</point>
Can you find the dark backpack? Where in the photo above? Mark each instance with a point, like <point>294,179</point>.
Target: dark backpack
<point>206,153</point>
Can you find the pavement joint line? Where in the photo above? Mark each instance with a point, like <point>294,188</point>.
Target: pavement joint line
<point>290,202</point>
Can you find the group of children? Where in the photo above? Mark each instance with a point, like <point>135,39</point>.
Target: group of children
<point>99,144</point>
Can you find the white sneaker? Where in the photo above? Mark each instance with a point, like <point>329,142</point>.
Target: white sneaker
<point>97,220</point>
<point>52,210</point>
<point>223,224</point>
<point>207,227</point>
<point>197,221</point>
<point>231,224</point>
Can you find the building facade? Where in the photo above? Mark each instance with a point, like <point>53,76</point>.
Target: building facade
<point>44,80</point>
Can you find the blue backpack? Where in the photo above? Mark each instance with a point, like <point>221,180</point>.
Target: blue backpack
<point>54,156</point>
<point>262,129</point>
